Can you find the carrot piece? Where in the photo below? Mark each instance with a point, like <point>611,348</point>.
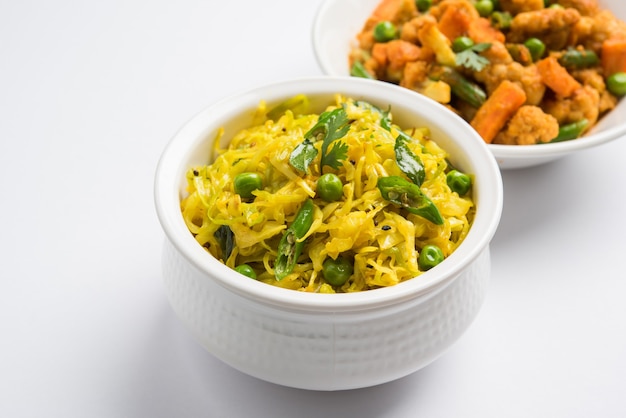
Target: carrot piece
<point>454,22</point>
<point>379,54</point>
<point>613,56</point>
<point>556,77</point>
<point>392,9</point>
<point>491,117</point>
<point>480,30</point>
<point>400,52</point>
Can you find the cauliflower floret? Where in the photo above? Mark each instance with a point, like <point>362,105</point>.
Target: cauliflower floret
<point>583,104</point>
<point>527,77</point>
<point>410,29</point>
<point>593,78</point>
<point>552,26</point>
<point>519,6</point>
<point>585,7</point>
<point>590,31</point>
<point>463,5</point>
<point>529,125</point>
<point>497,53</point>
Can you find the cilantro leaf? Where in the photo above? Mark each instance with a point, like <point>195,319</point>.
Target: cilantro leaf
<point>330,126</point>
<point>470,59</point>
<point>336,126</point>
<point>338,152</point>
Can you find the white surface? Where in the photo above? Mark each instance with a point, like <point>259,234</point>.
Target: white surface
<point>90,93</point>
<point>334,33</point>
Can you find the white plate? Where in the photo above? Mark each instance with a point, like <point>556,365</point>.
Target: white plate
<point>334,33</point>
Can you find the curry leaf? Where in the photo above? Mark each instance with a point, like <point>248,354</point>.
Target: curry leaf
<point>303,155</point>
<point>407,160</point>
<point>226,239</point>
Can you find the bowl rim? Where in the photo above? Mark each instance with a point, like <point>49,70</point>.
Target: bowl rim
<point>166,188</point>
<point>544,151</point>
<point>558,148</point>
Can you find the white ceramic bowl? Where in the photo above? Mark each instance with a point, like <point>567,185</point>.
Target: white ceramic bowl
<point>334,32</point>
<point>325,341</point>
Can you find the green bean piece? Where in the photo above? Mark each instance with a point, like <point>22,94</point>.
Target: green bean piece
<point>484,7</point>
<point>246,270</point>
<point>571,131</point>
<point>329,187</point>
<point>458,182</point>
<point>409,196</point>
<point>536,47</point>
<point>246,183</point>
<point>579,59</point>
<point>358,70</point>
<point>501,20</point>
<point>461,87</point>
<point>289,247</point>
<point>462,43</point>
<point>337,272</point>
<point>616,83</point>
<point>429,257</point>
<point>423,5</point>
<point>407,160</point>
<point>385,31</point>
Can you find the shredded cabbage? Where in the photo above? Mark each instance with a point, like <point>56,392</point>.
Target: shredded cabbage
<point>383,240</point>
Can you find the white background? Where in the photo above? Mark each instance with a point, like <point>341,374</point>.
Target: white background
<point>90,93</point>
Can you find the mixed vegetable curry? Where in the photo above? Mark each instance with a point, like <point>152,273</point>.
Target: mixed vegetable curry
<point>520,71</point>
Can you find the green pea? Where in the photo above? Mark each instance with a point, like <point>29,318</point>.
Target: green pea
<point>423,5</point>
<point>337,272</point>
<point>484,7</point>
<point>501,20</point>
<point>458,182</point>
<point>429,257</point>
<point>246,183</point>
<point>329,187</point>
<point>536,47</point>
<point>462,43</point>
<point>385,31</point>
<point>616,83</point>
<point>246,270</point>
<point>555,6</point>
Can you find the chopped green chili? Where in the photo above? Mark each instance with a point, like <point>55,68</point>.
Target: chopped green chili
<point>290,246</point>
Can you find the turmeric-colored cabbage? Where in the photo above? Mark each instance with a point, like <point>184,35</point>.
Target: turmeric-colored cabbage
<point>382,240</point>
